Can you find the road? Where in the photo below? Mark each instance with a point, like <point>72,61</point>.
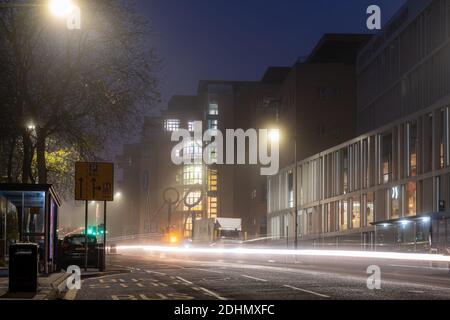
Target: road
<point>159,276</point>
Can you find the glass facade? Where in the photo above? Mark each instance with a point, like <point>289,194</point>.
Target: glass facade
<point>401,172</point>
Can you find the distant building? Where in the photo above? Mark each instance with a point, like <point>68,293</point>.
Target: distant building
<point>388,188</point>
<point>315,101</point>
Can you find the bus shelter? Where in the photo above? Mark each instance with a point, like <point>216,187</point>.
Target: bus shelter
<point>29,214</point>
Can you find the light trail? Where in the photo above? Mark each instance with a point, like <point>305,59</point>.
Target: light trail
<point>284,252</point>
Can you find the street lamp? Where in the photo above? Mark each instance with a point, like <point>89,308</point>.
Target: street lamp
<point>58,8</point>
<point>61,8</point>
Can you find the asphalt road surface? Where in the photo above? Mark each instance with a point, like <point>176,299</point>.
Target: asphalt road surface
<point>156,276</point>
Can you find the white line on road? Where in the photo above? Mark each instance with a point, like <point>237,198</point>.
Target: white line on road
<point>306,291</point>
<point>155,272</point>
<point>215,295</point>
<point>253,278</point>
<point>184,280</point>
<point>206,270</point>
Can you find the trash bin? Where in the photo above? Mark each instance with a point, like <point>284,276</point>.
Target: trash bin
<point>23,267</point>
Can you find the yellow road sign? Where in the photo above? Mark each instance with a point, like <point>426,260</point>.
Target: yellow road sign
<point>94,181</point>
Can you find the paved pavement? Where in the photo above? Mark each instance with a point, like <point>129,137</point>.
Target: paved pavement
<point>51,287</point>
<point>171,277</point>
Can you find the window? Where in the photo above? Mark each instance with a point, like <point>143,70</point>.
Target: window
<point>356,214</point>
<point>413,142</point>
<point>309,215</point>
<point>192,175</point>
<point>212,207</point>
<point>193,150</point>
<point>212,180</point>
<point>213,109</point>
<point>191,126</point>
<point>213,124</point>
<point>192,198</point>
<point>345,170</point>
<point>188,227</point>
<point>326,218</point>
<point>386,157</point>
<point>370,209</point>
<point>442,138</point>
<point>411,199</point>
<point>291,189</point>
<point>343,221</point>
<point>171,125</point>
<point>394,196</point>
<point>428,143</point>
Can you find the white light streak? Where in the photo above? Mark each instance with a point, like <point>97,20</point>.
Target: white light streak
<point>281,252</point>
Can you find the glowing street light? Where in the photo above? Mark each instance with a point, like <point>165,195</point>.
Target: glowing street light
<point>61,8</point>
<point>274,135</point>
<point>118,195</point>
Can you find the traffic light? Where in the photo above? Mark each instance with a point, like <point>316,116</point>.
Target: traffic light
<point>101,229</point>
<point>92,231</point>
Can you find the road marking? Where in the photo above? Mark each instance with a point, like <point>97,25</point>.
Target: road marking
<point>418,267</point>
<point>155,272</point>
<point>185,281</point>
<point>253,278</point>
<point>70,295</point>
<point>215,295</point>
<point>206,270</point>
<point>306,291</point>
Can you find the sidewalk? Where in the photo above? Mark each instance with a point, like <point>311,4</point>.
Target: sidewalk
<point>52,287</point>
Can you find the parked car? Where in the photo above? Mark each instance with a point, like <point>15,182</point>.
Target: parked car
<point>72,252</point>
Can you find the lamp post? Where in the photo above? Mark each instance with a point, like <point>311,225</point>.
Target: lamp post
<point>275,137</point>
<point>58,8</point>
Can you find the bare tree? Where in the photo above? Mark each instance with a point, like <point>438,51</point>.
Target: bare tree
<point>81,88</point>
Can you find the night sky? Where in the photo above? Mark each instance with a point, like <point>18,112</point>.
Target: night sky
<point>238,39</point>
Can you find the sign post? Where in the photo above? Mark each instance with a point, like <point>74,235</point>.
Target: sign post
<point>94,182</point>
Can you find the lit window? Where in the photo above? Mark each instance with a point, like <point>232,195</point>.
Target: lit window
<point>213,124</point>
<point>191,126</point>
<point>192,175</point>
<point>370,210</point>
<point>343,215</point>
<point>212,180</point>
<point>191,199</point>
<point>213,109</point>
<point>356,215</point>
<point>171,125</point>
<point>386,158</point>
<point>193,150</point>
<point>291,189</point>
<point>411,198</point>
<point>212,207</point>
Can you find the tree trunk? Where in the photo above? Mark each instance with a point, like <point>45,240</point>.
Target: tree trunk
<point>41,146</point>
<point>12,149</point>
<point>27,157</point>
